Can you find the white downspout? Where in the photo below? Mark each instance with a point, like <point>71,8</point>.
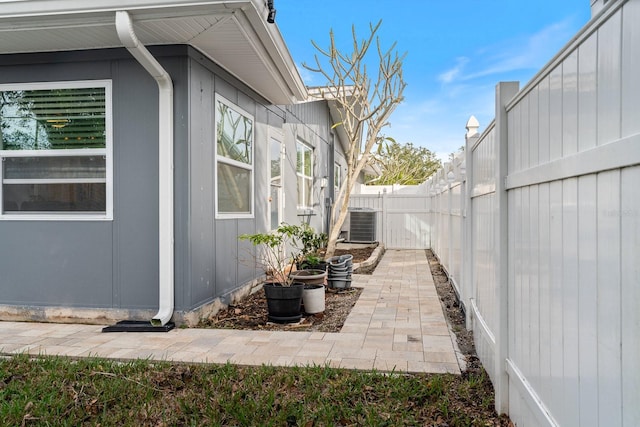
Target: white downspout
<point>127,36</point>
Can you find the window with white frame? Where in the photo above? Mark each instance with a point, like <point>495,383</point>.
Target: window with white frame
<point>55,150</point>
<point>304,171</point>
<point>234,160</point>
<point>276,197</point>
<point>337,179</point>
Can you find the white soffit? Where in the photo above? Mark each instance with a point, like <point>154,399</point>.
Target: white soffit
<point>233,34</point>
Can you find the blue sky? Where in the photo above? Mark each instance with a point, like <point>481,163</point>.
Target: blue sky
<point>457,50</point>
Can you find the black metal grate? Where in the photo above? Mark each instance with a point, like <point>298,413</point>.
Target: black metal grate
<point>362,225</point>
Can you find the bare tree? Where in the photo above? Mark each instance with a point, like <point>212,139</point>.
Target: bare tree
<point>364,103</point>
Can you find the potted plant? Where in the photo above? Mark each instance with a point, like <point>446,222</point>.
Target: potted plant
<point>311,262</point>
<point>283,294</point>
<point>313,291</point>
<point>312,269</point>
<point>310,245</point>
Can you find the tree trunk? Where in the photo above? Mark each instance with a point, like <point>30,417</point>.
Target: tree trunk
<point>339,221</point>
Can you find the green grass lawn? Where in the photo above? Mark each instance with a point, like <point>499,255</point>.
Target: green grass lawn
<point>58,391</point>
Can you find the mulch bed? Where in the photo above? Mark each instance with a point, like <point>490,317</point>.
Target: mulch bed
<point>464,338</point>
<point>251,312</point>
<point>454,313</point>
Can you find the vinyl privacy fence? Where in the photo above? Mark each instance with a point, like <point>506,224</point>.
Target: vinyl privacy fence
<point>537,223</point>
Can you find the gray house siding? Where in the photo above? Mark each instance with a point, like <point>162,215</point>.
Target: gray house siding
<point>199,255</point>
<point>56,263</point>
<point>95,264</point>
<point>135,235</point>
<point>310,123</point>
<point>113,264</point>
<point>220,264</point>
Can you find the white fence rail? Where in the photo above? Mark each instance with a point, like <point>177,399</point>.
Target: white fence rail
<point>537,223</point>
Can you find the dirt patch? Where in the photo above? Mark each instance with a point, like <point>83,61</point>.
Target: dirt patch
<point>359,254</point>
<point>483,399</point>
<point>456,318</point>
<point>251,313</point>
<point>451,307</point>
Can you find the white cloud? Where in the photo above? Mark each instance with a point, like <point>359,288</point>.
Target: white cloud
<point>522,53</point>
<point>452,74</point>
<point>437,120</point>
<point>468,89</point>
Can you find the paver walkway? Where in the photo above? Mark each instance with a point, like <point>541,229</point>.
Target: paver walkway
<point>397,324</point>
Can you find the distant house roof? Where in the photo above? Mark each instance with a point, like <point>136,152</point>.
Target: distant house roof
<point>234,34</point>
<point>330,94</point>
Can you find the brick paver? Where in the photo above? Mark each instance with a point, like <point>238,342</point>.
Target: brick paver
<point>397,324</point>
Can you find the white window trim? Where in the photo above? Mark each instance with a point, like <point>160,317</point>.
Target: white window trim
<point>231,162</point>
<point>108,152</point>
<point>278,136</point>
<point>298,174</point>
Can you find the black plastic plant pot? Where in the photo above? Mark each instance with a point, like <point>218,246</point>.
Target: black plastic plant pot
<point>284,302</point>
<point>322,265</point>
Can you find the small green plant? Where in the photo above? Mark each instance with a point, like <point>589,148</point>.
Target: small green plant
<point>274,246</point>
<point>309,261</point>
<point>310,245</point>
<point>302,241</point>
<point>311,241</point>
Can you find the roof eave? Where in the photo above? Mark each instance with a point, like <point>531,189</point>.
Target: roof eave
<point>280,83</point>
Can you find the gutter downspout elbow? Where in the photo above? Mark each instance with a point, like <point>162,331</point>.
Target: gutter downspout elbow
<point>126,33</point>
